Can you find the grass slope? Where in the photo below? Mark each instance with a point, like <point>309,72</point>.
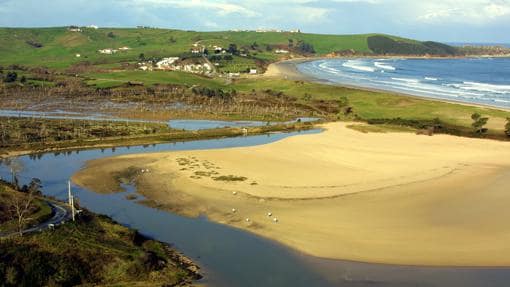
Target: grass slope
<point>60,46</point>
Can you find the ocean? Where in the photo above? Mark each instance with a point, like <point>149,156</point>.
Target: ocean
<point>471,80</point>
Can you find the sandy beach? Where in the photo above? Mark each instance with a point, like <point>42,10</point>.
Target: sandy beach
<point>394,198</point>
<point>288,70</point>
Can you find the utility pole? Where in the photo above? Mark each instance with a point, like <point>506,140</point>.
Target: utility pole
<point>71,199</point>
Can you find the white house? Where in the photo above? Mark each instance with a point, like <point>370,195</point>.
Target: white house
<point>124,48</point>
<point>93,27</point>
<point>281,51</point>
<point>108,51</point>
<point>217,49</point>
<point>166,63</point>
<point>253,71</point>
<point>78,55</point>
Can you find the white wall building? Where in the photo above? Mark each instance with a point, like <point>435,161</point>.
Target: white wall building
<point>166,63</point>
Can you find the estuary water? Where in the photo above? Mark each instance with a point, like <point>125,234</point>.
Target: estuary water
<point>470,80</point>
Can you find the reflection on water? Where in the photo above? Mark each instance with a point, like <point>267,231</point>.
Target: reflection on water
<point>194,125</point>
<point>190,125</point>
<point>232,257</point>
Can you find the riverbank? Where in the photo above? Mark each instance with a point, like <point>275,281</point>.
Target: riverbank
<point>340,194</point>
<point>146,139</point>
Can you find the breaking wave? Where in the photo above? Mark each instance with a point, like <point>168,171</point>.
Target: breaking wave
<point>384,66</point>
<point>358,65</point>
<point>457,79</point>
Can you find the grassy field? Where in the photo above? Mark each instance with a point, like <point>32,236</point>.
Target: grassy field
<point>57,47</point>
<point>108,80</point>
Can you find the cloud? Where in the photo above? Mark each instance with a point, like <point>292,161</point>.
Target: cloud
<point>218,7</point>
<point>469,11</point>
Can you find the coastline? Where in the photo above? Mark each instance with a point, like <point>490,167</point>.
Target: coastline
<point>412,220</point>
<point>287,69</point>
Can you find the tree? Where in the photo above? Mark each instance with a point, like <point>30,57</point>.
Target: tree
<point>111,35</point>
<point>478,123</point>
<point>232,49</point>
<point>11,77</point>
<point>16,166</point>
<point>20,206</point>
<point>305,48</point>
<point>23,79</point>
<point>141,57</point>
<point>291,44</point>
<point>507,127</point>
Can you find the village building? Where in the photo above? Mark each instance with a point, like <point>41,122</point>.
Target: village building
<point>108,51</point>
<point>74,29</point>
<point>166,63</point>
<point>281,51</point>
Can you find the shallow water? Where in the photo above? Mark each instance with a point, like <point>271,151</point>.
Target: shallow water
<point>471,80</point>
<point>190,125</point>
<point>232,257</point>
<point>194,125</point>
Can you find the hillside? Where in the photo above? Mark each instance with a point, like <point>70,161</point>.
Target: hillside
<point>60,47</point>
<point>93,251</point>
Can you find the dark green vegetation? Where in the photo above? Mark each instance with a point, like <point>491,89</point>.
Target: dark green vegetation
<point>387,46</point>
<point>58,47</point>
<point>93,250</point>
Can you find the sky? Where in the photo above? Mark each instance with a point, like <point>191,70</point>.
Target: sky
<point>439,20</point>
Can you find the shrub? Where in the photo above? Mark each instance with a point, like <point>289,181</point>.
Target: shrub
<point>11,77</point>
<point>507,127</point>
<point>478,123</point>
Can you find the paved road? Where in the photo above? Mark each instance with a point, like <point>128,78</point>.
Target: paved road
<point>61,214</point>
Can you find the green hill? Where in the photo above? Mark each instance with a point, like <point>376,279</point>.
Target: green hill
<point>58,47</point>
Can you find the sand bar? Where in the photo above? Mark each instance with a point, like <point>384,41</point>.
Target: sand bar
<point>393,198</point>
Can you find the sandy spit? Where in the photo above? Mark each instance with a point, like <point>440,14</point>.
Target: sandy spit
<point>394,198</point>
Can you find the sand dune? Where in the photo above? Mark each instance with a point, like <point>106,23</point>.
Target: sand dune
<point>393,198</point>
